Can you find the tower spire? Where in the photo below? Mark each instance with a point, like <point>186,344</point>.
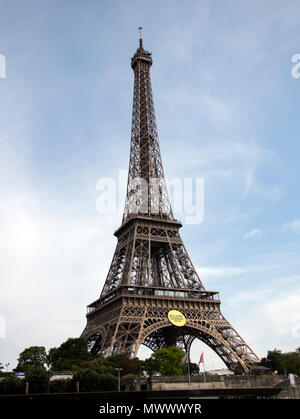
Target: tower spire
<point>146,189</point>
<point>141,36</point>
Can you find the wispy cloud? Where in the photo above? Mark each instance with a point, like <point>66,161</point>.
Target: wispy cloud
<point>53,264</point>
<point>293,226</point>
<point>270,312</point>
<point>226,271</point>
<point>256,232</point>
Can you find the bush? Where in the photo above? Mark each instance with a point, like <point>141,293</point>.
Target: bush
<point>38,380</point>
<point>89,380</point>
<point>12,385</point>
<point>128,381</point>
<point>108,382</point>
<point>61,386</point>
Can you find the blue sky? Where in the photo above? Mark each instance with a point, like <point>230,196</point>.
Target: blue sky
<point>227,110</point>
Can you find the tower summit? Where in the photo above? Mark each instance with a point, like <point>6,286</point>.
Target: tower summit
<point>141,37</point>
<point>151,273</point>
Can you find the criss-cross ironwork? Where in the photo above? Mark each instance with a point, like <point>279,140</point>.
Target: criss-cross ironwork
<point>151,272</point>
<point>146,191</point>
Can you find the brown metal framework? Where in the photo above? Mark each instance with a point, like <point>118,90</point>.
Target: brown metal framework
<point>151,272</point>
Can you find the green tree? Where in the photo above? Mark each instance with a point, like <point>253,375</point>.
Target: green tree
<point>12,385</point>
<point>169,360</point>
<point>91,381</point>
<point>61,386</point>
<point>32,358</point>
<point>273,360</point>
<point>108,382</point>
<point>150,366</point>
<point>284,363</point>
<point>112,361</point>
<point>38,380</point>
<point>88,380</point>
<point>69,356</point>
<point>107,369</point>
<point>93,365</point>
<point>128,381</point>
<point>108,365</point>
<point>291,363</point>
<point>1,368</point>
<point>140,364</point>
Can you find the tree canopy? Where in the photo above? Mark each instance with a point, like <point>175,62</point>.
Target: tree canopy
<point>91,381</point>
<point>69,355</point>
<point>100,374</point>
<point>283,363</point>
<point>32,358</point>
<point>38,380</point>
<point>168,361</point>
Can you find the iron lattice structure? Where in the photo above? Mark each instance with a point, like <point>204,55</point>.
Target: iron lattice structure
<point>151,272</point>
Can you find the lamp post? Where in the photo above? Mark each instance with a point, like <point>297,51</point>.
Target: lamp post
<point>119,375</point>
<point>188,363</point>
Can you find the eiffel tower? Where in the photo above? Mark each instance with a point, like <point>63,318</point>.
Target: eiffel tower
<point>151,272</point>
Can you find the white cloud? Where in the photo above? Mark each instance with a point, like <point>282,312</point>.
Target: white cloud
<point>293,226</point>
<point>208,271</point>
<point>270,318</point>
<point>228,271</point>
<point>256,232</point>
<point>265,317</point>
<point>234,159</point>
<point>216,109</point>
<point>52,266</point>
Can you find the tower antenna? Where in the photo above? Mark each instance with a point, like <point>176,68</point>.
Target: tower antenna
<point>141,36</point>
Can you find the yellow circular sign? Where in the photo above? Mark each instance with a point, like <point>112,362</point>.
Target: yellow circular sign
<point>176,318</point>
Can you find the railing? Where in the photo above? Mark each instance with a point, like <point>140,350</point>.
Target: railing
<point>155,292</point>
